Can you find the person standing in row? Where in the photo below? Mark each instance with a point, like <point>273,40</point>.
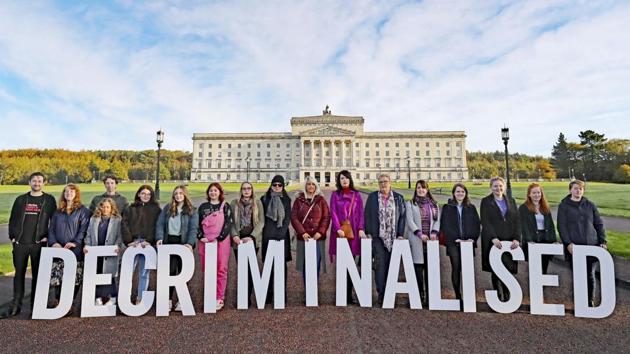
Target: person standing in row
<point>499,220</point>
<point>347,218</point>
<point>310,218</point>
<point>110,182</point>
<point>579,223</point>
<point>385,218</point>
<point>536,222</point>
<point>177,225</point>
<point>277,206</point>
<point>138,230</point>
<point>459,223</point>
<point>105,230</point>
<point>249,220</point>
<point>215,224</point>
<point>28,232</point>
<point>422,225</point>
<point>67,230</point>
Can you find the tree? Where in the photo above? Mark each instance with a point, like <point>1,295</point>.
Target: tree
<point>591,155</point>
<point>622,174</point>
<point>560,157</point>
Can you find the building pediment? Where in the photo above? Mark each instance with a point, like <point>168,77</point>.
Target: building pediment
<point>327,130</point>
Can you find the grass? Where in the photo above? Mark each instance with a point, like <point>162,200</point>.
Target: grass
<point>611,199</point>
<point>6,259</point>
<point>619,243</point>
<point>88,191</point>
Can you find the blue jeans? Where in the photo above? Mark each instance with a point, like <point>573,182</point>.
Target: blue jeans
<point>319,261</point>
<point>143,273</point>
<point>381,256</point>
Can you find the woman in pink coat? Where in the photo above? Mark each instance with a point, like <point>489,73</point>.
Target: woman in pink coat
<point>346,205</point>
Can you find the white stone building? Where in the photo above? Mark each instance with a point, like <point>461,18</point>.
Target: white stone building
<point>323,145</point>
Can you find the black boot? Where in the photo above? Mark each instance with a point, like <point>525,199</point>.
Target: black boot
<point>12,311</point>
<point>349,299</point>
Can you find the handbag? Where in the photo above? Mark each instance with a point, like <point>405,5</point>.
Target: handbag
<point>346,227</point>
<point>442,238</point>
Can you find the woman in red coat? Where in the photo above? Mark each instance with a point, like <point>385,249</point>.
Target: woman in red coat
<point>310,217</point>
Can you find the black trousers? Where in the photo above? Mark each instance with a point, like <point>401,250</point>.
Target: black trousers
<point>250,281</point>
<point>21,254</point>
<point>591,262</point>
<point>455,257</point>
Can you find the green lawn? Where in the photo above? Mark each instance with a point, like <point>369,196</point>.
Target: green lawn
<point>6,259</point>
<point>611,199</point>
<point>88,191</point>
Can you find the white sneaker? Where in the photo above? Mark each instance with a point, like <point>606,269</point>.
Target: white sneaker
<point>170,305</point>
<point>219,304</point>
<point>112,301</point>
<point>178,307</point>
<point>98,301</point>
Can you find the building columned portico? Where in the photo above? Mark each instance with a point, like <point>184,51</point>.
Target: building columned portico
<point>323,145</point>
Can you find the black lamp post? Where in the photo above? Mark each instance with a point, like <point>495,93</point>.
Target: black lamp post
<point>505,135</point>
<point>159,140</point>
<point>247,159</point>
<point>408,173</point>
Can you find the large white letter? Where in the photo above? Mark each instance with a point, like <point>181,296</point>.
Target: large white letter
<point>274,258</point>
<point>40,310</point>
<point>401,252</point>
<point>165,280</point>
<point>310,272</point>
<point>345,265</point>
<point>516,293</point>
<point>538,280</point>
<point>468,276</point>
<point>91,280</point>
<point>580,290</point>
<point>126,277</point>
<point>435,287</point>
<point>210,278</point>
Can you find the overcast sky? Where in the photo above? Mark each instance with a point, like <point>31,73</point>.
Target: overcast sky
<point>96,75</point>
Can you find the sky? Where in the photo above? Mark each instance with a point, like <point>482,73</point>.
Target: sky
<point>108,75</point>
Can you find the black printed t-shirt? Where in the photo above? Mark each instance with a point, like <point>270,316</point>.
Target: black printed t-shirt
<point>32,209</point>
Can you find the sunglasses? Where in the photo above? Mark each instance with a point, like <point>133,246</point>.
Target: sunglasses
<point>276,185</point>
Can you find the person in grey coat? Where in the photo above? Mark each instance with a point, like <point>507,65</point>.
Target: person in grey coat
<point>104,230</point>
<point>178,224</point>
<point>423,224</point>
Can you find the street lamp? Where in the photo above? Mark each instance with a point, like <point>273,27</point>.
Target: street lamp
<point>408,173</point>
<point>159,140</point>
<point>505,135</point>
<point>380,170</point>
<point>247,159</point>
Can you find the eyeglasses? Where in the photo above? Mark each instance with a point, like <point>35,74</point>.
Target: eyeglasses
<point>383,182</point>
<point>246,188</point>
<point>276,184</point>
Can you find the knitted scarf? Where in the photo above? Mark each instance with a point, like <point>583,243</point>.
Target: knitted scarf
<point>275,211</point>
<point>387,220</point>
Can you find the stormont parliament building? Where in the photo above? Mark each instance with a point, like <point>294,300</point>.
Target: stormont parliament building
<point>322,145</point>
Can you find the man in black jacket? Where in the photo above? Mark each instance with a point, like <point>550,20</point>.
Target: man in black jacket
<point>28,231</point>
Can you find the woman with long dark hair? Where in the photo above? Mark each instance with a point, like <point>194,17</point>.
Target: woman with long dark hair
<point>138,229</point>
<point>177,225</point>
<point>67,229</point>
<point>459,223</point>
<point>536,222</point>
<point>277,206</point>
<point>347,219</point>
<point>215,224</point>
<point>422,225</point>
<point>499,221</point>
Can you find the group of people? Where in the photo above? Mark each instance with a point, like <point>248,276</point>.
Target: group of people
<point>38,220</point>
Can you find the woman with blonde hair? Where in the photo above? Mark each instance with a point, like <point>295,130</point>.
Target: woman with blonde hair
<point>67,230</point>
<point>536,222</point>
<point>310,218</point>
<point>177,225</point>
<point>249,220</point>
<point>104,230</point>
<point>499,222</point>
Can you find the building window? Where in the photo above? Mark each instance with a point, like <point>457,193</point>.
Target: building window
<point>367,145</point>
<point>437,144</point>
<point>200,155</point>
<point>356,145</point>
<point>397,153</point>
<point>268,145</point>
<point>201,146</point>
<point>417,145</point>
<point>448,152</point>
<point>229,154</point>
<point>288,146</point>
<point>238,146</point>
<point>448,145</point>
<point>238,154</point>
<point>386,145</point>
<point>219,154</point>
<point>386,153</point>
<point>406,144</point>
<point>426,153</point>
<point>278,145</point>
<point>218,164</point>
<point>258,146</point>
<point>229,146</point>
<point>367,153</point>
<point>458,144</point>
<point>249,146</point>
<point>219,146</point>
<point>378,153</point>
<point>427,145</point>
<point>417,152</point>
<point>257,153</point>
<point>209,153</point>
<point>268,153</point>
<point>397,145</point>
<point>199,164</point>
<point>378,144</point>
<point>367,175</point>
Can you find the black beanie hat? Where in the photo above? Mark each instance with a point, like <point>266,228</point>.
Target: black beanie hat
<point>278,179</point>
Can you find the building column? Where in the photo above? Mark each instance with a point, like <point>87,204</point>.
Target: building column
<point>333,150</point>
